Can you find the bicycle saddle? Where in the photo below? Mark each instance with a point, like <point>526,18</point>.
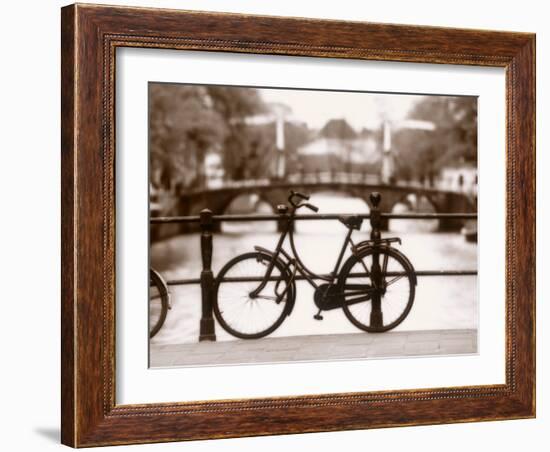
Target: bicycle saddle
<point>351,221</point>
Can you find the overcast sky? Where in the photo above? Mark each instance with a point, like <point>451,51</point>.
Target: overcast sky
<point>358,109</point>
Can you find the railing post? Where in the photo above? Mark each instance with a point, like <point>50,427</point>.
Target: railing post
<point>207,332</point>
<point>376,319</point>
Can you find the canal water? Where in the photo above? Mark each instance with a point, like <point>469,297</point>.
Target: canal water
<point>441,302</point>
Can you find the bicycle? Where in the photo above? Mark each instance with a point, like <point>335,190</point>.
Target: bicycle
<point>159,302</point>
<point>255,291</point>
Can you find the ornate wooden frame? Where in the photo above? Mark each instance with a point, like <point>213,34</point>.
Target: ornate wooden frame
<point>90,35</point>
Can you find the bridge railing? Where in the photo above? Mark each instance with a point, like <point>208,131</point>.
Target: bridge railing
<point>326,177</point>
<point>207,221</point>
<point>312,177</point>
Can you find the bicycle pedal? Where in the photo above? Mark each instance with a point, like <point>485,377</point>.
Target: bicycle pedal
<point>318,317</point>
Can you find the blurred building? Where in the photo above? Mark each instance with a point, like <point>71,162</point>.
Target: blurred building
<point>213,170</point>
<point>460,177</point>
<point>337,147</point>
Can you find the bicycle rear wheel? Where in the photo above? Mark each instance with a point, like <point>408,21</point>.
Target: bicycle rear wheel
<point>396,291</point>
<point>245,316</point>
<point>158,302</point>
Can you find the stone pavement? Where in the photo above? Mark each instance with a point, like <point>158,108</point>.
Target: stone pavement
<point>316,348</point>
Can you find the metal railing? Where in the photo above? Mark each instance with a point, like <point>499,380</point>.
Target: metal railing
<point>207,220</point>
<point>314,216</point>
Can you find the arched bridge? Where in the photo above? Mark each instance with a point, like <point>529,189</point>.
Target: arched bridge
<point>276,192</point>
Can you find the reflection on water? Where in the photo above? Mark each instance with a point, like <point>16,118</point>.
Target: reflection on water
<point>441,302</point>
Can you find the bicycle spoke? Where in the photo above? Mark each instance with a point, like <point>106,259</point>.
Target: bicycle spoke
<point>384,265</point>
<point>394,280</point>
<point>267,297</point>
<point>365,267</point>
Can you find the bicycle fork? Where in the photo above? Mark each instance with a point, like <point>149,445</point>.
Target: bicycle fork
<point>290,281</point>
<point>278,296</point>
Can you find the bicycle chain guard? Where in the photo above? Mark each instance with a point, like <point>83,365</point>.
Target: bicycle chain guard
<point>327,297</point>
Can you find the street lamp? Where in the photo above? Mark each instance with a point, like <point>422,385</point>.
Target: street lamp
<point>278,114</point>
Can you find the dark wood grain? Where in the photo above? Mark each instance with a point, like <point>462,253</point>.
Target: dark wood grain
<point>90,36</point>
<point>68,244</point>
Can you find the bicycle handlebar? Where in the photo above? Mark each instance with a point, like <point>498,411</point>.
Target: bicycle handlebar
<point>311,207</point>
<point>294,194</point>
<point>302,196</point>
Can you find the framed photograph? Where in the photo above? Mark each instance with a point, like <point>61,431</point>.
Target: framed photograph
<point>281,225</point>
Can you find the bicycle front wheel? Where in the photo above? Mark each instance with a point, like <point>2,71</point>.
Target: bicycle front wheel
<point>243,314</point>
<point>396,289</point>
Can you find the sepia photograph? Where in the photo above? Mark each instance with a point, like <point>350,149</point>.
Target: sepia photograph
<point>292,225</point>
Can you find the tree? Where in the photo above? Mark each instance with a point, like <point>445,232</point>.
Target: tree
<point>188,121</point>
<point>182,129</point>
<point>339,129</point>
<point>234,104</point>
<point>421,153</point>
<point>296,135</point>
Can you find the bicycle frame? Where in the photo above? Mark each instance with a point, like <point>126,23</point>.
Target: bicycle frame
<point>295,260</point>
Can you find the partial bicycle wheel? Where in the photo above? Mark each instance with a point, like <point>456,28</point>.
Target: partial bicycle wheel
<point>396,289</point>
<point>158,302</point>
<point>239,312</point>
